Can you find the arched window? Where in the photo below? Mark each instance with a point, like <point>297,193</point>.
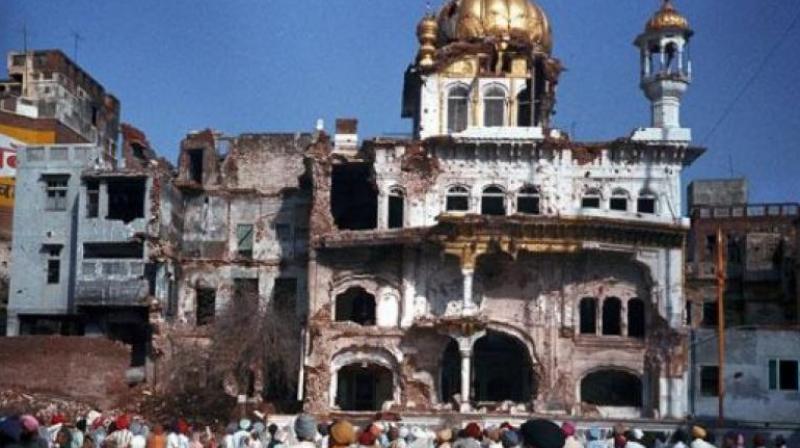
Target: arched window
<point>612,388</point>
<point>646,202</point>
<point>619,200</point>
<point>457,109</point>
<point>528,200</point>
<point>493,201</point>
<point>356,305</point>
<point>612,309</point>
<point>457,199</point>
<point>396,206</point>
<point>591,199</point>
<point>524,108</point>
<point>588,314</point>
<point>494,107</point>
<point>636,323</point>
<point>363,387</point>
<point>502,369</point>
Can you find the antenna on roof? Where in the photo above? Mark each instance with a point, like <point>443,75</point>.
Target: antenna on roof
<point>76,39</point>
<point>730,164</point>
<point>25,37</point>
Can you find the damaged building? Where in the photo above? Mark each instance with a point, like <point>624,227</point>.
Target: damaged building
<point>487,264</point>
<point>491,264</point>
<point>46,99</point>
<point>762,330</point>
<point>94,245</point>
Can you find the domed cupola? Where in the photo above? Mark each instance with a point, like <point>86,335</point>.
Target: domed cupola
<point>514,21</point>
<point>484,68</point>
<point>667,18</point>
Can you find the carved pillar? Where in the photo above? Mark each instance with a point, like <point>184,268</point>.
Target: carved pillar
<point>465,344</point>
<point>383,209</point>
<point>469,306</point>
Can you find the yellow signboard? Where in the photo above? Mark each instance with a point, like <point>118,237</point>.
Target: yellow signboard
<point>7,192</point>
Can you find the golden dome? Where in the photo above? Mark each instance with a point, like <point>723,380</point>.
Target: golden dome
<point>498,19</point>
<point>667,18</point>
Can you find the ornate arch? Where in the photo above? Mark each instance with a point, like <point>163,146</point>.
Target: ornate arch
<point>381,356</point>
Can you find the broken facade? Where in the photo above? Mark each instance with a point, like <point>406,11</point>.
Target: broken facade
<point>491,263</point>
<point>488,263</point>
<point>101,256</point>
<point>47,99</point>
<point>762,376</point>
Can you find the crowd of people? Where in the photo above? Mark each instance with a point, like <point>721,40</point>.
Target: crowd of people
<point>123,431</point>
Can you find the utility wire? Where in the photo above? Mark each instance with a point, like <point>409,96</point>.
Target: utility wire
<point>753,77</point>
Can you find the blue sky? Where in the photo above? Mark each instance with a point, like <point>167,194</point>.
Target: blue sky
<point>278,65</point>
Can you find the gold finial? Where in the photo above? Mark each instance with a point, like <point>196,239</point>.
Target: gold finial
<point>667,18</point>
<point>427,30</point>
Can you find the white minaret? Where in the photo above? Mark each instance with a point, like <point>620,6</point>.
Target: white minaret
<point>666,72</point>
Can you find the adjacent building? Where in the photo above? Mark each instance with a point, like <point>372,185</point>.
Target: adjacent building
<point>46,100</point>
<point>93,246</point>
<point>762,379</point>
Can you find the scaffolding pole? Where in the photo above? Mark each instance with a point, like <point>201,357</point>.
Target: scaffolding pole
<point>721,270</point>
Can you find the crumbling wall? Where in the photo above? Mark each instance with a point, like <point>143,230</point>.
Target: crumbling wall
<point>268,163</point>
<point>79,367</point>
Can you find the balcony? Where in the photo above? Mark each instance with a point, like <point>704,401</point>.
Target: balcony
<point>128,292</point>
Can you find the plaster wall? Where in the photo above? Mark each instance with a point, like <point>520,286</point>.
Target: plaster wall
<point>748,396</point>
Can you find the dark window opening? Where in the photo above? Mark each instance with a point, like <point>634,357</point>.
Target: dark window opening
<point>244,241</point>
<point>284,295</point>
<point>636,319</point>
<point>503,369</point>
<point>126,200</point>
<point>92,199</point>
<point>711,244</point>
<point>709,381</point>
<point>150,273</point>
<point>396,205</point>
<point>689,306</point>
<point>524,107</point>
<point>528,201</point>
<point>612,388</point>
<point>113,250</point>
<point>354,200</point>
<point>787,375</point>
<point>590,200</point>
<point>588,315</point>
<point>457,109</point>
<point>283,231</point>
<point>710,317</point>
<point>138,151</point>
<point>363,387</point>
<point>53,271</point>
<point>57,187</point>
<point>245,289</point>
<point>451,372</point>
<point>356,305</point>
<point>196,165</point>
<point>457,199</point>
<point>494,107</point>
<point>618,203</point>
<point>612,316</point>
<point>493,202</point>
<point>206,305</point>
<point>646,204</point>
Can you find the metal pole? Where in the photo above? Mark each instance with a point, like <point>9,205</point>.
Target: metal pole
<point>721,326</point>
